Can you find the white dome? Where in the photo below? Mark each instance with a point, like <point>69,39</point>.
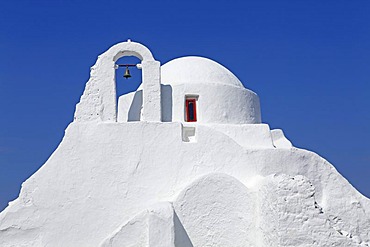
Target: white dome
<point>193,69</point>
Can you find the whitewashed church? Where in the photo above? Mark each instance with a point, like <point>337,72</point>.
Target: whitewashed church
<point>184,161</point>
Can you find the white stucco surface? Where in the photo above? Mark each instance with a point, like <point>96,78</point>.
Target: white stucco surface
<point>222,181</point>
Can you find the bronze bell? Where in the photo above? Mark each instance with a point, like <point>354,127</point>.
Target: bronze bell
<point>127,73</point>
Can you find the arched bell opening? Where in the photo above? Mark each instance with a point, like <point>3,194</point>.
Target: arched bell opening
<point>128,78</point>
<point>124,84</point>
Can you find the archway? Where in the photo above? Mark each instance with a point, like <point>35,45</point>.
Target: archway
<point>129,96</point>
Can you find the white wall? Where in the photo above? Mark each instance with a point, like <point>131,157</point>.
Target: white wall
<point>103,174</point>
<point>217,103</point>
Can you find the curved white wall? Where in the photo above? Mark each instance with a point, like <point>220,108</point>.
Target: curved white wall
<point>216,103</point>
<point>221,97</point>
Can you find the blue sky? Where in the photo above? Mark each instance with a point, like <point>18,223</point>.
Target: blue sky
<point>309,61</point>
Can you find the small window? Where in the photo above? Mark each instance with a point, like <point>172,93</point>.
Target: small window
<point>191,110</point>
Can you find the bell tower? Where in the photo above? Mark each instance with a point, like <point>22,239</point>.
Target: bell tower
<point>99,100</point>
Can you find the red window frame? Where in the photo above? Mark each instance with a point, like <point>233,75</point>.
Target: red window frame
<point>187,101</point>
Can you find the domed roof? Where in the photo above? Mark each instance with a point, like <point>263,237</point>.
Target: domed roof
<point>193,69</point>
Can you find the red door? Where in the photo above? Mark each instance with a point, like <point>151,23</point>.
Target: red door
<point>191,110</point>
